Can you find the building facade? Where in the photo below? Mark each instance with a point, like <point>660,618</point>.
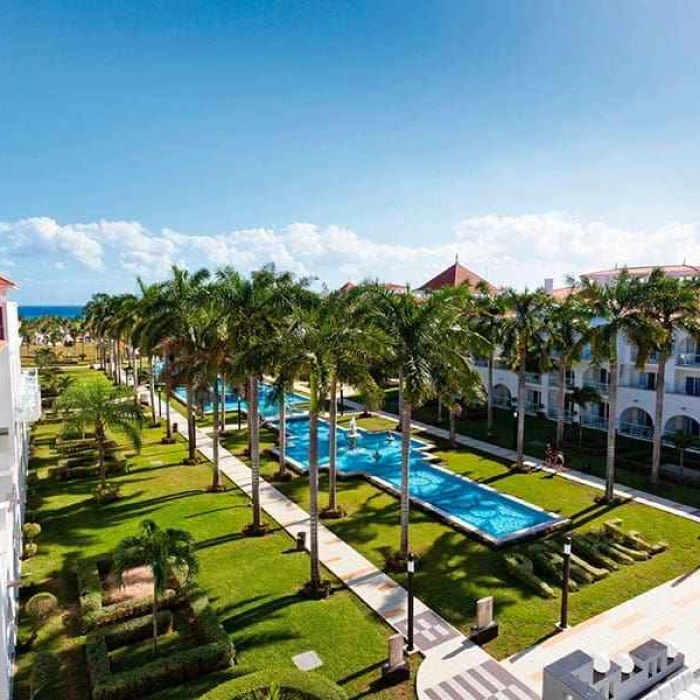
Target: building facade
<point>20,405</point>
<point>636,387</point>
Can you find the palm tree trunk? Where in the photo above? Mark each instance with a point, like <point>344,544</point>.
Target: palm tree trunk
<point>135,376</point>
<point>400,403</point>
<point>439,411</point>
<point>191,436</point>
<point>119,362</point>
<point>520,441</point>
<point>453,427</point>
<point>405,476</point>
<point>658,418</point>
<point>612,430</point>
<point>152,390</point>
<point>168,426</point>
<point>315,576</point>
<point>100,435</point>
<point>254,434</point>
<point>216,480</point>
<point>283,434</point>
<point>489,396</point>
<point>333,447</point>
<point>561,403</point>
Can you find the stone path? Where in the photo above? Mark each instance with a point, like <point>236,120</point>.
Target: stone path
<point>643,497</point>
<point>453,668</point>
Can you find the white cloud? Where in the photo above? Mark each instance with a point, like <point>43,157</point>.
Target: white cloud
<point>508,250</point>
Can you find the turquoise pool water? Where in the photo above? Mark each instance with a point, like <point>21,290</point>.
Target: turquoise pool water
<point>477,508</point>
<point>267,407</point>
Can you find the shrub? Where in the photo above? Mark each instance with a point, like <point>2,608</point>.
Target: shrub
<point>292,684</point>
<point>522,569</point>
<point>45,670</point>
<point>29,550</point>
<point>106,493</point>
<point>31,531</point>
<point>137,629</point>
<point>39,609</point>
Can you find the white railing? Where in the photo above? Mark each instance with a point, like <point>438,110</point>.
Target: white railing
<point>594,422</point>
<point>602,387</point>
<point>29,398</point>
<point>636,430</point>
<point>533,377</point>
<point>688,359</point>
<point>553,413</point>
<point>501,402</point>
<point>554,380</point>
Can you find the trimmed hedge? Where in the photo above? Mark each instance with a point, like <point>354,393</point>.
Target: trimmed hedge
<point>298,685</point>
<point>138,629</point>
<point>94,614</point>
<point>63,472</point>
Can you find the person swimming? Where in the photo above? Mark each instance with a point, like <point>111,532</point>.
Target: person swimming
<point>377,455</point>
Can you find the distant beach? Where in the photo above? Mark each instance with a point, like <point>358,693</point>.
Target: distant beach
<point>62,311</point>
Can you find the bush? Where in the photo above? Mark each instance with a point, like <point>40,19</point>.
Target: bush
<point>137,629</point>
<point>294,685</point>
<point>29,550</point>
<point>522,569</point>
<point>106,493</point>
<point>39,609</point>
<point>31,531</point>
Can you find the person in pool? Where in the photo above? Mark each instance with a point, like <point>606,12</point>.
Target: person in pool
<point>377,456</point>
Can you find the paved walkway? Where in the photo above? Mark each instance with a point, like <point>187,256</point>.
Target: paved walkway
<point>643,497</point>
<point>453,668</point>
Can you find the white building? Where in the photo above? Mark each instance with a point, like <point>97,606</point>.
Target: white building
<point>20,405</point>
<point>636,393</point>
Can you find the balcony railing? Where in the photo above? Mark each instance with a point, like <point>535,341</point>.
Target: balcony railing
<point>553,413</point>
<point>637,384</point>
<point>533,377</point>
<point>554,381</point>
<point>594,422</point>
<point>533,407</point>
<point>481,362</point>
<point>29,398</point>
<point>688,359</point>
<point>602,387</point>
<point>652,358</point>
<point>636,430</point>
<point>501,402</point>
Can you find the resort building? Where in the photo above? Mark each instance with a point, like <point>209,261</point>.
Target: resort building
<point>636,392</point>
<point>20,405</point>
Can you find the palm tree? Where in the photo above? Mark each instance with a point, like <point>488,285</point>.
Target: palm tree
<point>569,321</point>
<point>256,310</point>
<point>581,396</point>
<point>96,404</point>
<point>160,550</point>
<point>423,335</point>
<point>618,312</point>
<point>525,342</point>
<point>488,321</point>
<point>669,304</point>
<point>682,441</point>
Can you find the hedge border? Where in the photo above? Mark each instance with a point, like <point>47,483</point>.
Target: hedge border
<point>311,685</point>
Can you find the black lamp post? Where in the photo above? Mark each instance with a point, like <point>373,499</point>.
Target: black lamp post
<point>564,619</point>
<point>515,428</point>
<point>410,569</point>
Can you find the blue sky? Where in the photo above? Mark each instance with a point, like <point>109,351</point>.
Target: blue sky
<point>345,139</point>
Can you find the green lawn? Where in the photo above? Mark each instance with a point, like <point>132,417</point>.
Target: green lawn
<point>253,583</point>
<point>454,570</point>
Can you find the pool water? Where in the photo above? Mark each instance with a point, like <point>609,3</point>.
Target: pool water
<point>378,455</point>
<point>267,407</point>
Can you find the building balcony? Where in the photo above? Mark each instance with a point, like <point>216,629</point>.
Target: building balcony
<point>636,430</point>
<point>501,402</point>
<point>29,398</point>
<point>533,377</point>
<point>652,358</point>
<point>554,380</point>
<point>637,384</point>
<point>602,387</point>
<point>533,407</point>
<point>594,422</point>
<point>553,414</point>
<point>688,359</point>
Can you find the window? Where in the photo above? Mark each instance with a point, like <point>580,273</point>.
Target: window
<point>692,386</point>
<point>2,324</point>
<point>648,380</point>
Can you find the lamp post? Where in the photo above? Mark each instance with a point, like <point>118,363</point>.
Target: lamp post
<point>564,619</point>
<point>411,569</point>
<point>515,428</point>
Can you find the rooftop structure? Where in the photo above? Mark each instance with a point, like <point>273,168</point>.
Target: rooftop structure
<point>456,275</point>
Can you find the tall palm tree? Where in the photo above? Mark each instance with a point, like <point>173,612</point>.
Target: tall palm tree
<point>670,304</point>
<point>160,550</point>
<point>525,343</point>
<point>569,321</point>
<point>488,322</point>
<point>256,308</point>
<point>618,311</point>
<point>95,404</point>
<point>423,335</point>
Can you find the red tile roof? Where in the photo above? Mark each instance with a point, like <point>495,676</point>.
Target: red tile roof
<point>347,287</point>
<point>455,276</point>
<point>6,283</point>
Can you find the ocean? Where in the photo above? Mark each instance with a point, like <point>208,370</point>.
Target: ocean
<point>62,311</point>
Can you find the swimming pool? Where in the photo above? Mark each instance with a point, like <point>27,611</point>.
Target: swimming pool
<point>494,517</point>
<point>267,407</point>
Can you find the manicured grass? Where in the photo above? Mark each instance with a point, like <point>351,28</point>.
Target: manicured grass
<point>454,570</point>
<point>253,583</point>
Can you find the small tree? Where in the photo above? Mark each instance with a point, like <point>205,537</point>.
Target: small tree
<point>45,670</point>
<point>39,609</point>
<point>96,403</point>
<point>159,550</point>
<point>682,441</point>
<point>30,531</point>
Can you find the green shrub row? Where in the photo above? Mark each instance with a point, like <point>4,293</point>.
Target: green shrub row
<point>63,472</point>
<point>294,684</point>
<point>137,629</point>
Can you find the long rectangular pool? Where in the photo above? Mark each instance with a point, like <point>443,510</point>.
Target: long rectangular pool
<point>494,517</point>
<point>267,406</point>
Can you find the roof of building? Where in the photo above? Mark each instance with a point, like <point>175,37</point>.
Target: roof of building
<point>6,283</point>
<point>681,270</point>
<point>455,276</point>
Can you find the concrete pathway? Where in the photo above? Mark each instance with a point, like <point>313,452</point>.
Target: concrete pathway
<point>453,668</point>
<point>643,497</point>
